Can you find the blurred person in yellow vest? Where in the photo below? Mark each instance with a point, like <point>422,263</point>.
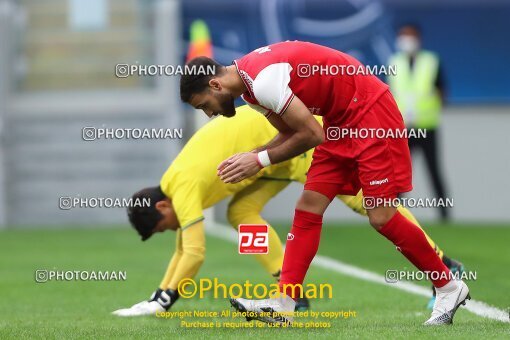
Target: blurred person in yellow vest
<point>418,88</point>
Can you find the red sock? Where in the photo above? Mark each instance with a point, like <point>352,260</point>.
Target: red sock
<point>412,243</point>
<point>300,249</point>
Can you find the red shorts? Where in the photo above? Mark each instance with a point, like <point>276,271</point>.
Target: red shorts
<point>381,166</point>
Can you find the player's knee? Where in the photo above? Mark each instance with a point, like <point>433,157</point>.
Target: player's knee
<point>313,202</point>
<point>380,216</point>
<point>356,206</point>
<point>376,222</point>
<point>354,202</point>
<point>234,214</point>
<point>231,216</point>
<point>238,213</point>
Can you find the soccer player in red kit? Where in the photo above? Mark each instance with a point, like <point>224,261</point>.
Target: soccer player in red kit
<point>289,82</point>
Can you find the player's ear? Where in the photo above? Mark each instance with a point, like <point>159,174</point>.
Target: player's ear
<point>215,84</point>
<point>166,209</point>
<point>163,205</point>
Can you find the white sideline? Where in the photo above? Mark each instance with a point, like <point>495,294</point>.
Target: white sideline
<point>476,307</point>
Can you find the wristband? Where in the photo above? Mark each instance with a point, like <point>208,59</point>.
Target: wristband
<point>263,159</point>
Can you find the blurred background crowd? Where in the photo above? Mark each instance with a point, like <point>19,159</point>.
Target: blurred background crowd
<point>57,76</point>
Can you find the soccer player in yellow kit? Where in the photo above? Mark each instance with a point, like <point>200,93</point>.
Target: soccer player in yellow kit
<point>191,185</point>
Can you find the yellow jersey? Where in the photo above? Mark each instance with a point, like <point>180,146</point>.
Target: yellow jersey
<point>191,181</point>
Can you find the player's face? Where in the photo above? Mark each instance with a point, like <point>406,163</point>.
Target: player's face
<point>214,102</point>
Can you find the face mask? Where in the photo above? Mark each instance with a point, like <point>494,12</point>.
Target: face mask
<point>407,44</point>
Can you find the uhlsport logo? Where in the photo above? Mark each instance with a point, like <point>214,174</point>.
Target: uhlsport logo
<point>379,182</point>
<point>253,239</point>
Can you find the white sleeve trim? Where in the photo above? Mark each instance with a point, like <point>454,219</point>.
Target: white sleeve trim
<point>271,87</point>
<point>257,108</point>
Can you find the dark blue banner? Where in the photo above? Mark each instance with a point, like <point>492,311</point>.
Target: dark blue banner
<point>471,40</point>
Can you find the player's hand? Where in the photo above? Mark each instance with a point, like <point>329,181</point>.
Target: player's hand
<point>244,166</point>
<point>160,301</point>
<point>227,162</point>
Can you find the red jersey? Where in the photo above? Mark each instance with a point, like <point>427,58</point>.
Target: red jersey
<point>330,83</point>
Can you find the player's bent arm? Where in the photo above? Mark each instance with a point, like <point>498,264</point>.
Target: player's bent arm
<point>277,140</point>
<point>163,298</point>
<point>193,247</point>
<point>296,122</point>
<point>302,130</point>
<point>173,262</point>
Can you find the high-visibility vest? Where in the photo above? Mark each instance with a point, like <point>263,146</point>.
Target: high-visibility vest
<point>415,89</point>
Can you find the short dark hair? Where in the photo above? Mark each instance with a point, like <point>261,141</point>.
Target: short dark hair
<point>197,82</point>
<point>145,218</point>
<point>412,25</point>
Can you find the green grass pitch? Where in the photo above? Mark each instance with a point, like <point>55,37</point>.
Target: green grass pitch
<point>81,309</point>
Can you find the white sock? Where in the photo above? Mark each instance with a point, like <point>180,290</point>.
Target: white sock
<point>448,288</point>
